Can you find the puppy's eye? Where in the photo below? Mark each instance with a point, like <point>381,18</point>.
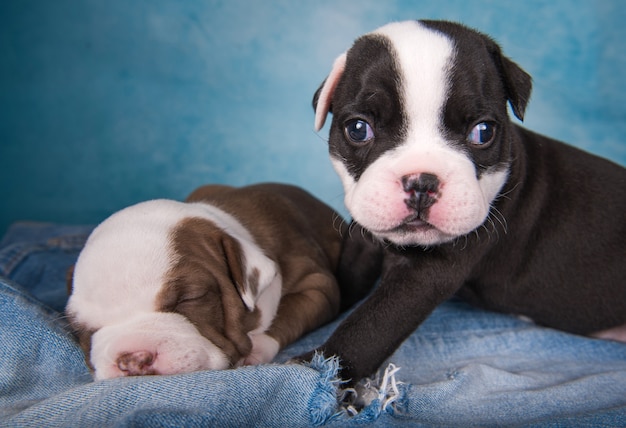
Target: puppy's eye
<point>482,134</point>
<point>358,131</point>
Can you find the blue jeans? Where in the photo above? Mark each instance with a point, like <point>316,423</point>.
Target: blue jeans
<point>462,367</point>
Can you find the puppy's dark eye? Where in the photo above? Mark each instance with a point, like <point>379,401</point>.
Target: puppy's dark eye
<point>358,131</point>
<point>482,134</point>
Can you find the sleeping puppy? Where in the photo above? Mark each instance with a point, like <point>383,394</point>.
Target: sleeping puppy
<point>449,196</point>
<point>227,278</point>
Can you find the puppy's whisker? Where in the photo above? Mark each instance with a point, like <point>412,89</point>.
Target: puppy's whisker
<point>338,222</point>
<point>501,219</point>
<point>319,136</point>
<point>505,194</point>
<point>457,241</point>
<point>362,233</point>
<point>493,230</point>
<point>477,236</point>
<point>372,95</point>
<point>62,316</point>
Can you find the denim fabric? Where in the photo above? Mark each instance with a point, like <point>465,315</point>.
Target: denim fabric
<point>37,256</point>
<point>462,367</point>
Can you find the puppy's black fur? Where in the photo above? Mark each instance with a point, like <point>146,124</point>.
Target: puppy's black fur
<point>553,247</point>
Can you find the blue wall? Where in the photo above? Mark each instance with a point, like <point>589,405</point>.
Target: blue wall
<point>107,103</point>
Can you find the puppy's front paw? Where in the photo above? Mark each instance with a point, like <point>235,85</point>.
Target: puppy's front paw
<point>264,349</point>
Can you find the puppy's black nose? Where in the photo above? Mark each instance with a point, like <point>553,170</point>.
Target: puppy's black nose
<point>421,183</point>
<point>422,190</point>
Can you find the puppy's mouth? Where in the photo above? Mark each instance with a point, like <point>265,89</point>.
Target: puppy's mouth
<point>409,225</point>
<point>413,223</point>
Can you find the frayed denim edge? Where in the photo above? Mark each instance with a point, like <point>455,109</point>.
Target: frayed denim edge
<point>374,396</point>
<point>383,393</point>
<point>324,405</point>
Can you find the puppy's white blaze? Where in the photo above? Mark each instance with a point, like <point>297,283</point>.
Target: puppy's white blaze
<point>424,57</point>
<point>176,344</point>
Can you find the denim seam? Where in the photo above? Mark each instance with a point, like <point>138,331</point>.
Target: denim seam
<point>12,255</point>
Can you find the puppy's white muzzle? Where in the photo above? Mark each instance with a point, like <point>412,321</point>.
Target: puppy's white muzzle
<point>384,202</point>
<point>153,343</point>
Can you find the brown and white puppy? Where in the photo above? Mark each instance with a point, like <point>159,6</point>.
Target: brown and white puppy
<point>229,277</point>
<point>452,197</point>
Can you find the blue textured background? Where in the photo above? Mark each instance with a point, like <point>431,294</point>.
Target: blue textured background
<point>107,103</point>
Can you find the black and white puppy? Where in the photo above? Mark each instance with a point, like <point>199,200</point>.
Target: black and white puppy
<point>448,196</point>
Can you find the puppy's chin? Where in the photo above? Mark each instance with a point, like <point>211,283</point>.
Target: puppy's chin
<point>153,343</point>
<point>424,235</point>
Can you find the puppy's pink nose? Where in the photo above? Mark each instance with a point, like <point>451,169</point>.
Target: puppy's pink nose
<point>137,363</point>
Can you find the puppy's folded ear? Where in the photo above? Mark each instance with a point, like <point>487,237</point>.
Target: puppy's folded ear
<point>519,86</point>
<point>250,276</point>
<point>517,83</point>
<point>235,262</point>
<point>323,97</point>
